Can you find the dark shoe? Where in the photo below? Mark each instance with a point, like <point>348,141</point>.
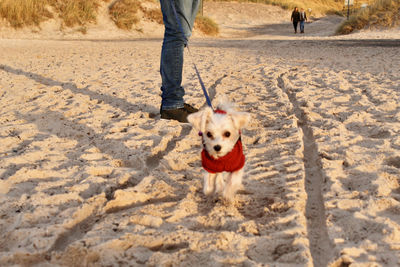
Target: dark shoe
<point>179,114</point>
<point>189,108</point>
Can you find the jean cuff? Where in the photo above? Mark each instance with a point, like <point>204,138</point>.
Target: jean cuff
<point>172,107</point>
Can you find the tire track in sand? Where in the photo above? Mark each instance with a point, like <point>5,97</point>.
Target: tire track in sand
<point>321,247</point>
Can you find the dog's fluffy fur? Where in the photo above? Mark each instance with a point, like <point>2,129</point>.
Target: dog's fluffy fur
<point>220,133</point>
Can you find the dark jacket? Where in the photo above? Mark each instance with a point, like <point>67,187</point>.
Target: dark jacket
<point>295,16</point>
<point>303,16</point>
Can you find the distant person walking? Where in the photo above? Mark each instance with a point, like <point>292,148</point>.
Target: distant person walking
<point>295,18</point>
<point>303,19</point>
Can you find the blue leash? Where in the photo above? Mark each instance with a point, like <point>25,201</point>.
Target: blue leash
<point>194,65</point>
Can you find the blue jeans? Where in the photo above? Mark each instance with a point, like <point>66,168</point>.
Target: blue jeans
<point>172,49</point>
<point>301,25</point>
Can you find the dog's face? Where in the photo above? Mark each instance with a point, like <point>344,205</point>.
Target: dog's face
<point>220,131</point>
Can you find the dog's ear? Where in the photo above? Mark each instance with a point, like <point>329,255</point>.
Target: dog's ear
<point>240,119</point>
<point>199,119</point>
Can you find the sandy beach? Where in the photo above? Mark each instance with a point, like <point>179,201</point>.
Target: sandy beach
<point>91,176</point>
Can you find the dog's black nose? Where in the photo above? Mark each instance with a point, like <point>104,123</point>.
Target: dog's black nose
<point>217,148</point>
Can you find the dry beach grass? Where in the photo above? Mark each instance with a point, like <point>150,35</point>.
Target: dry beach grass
<point>82,13</point>
<point>90,175</point>
<point>381,14</point>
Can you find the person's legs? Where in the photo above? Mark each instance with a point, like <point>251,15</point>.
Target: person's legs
<point>302,26</point>
<point>295,26</point>
<point>172,50</point>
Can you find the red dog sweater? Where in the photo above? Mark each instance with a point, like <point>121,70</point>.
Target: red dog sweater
<point>231,162</point>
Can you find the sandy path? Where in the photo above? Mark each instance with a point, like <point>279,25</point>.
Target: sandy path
<point>117,174</point>
<point>89,174</point>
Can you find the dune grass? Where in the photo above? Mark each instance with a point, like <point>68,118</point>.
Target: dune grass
<point>76,12</point>
<point>381,14</point>
<point>20,13</point>
<point>124,13</point>
<point>320,7</point>
<point>153,14</point>
<point>206,25</point>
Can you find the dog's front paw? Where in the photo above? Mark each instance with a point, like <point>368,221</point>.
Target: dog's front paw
<point>208,190</point>
<point>209,184</point>
<point>228,194</point>
<point>219,183</point>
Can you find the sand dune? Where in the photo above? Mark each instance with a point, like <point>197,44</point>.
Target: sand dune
<point>90,175</point>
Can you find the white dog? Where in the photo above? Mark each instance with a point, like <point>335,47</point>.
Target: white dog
<point>222,155</point>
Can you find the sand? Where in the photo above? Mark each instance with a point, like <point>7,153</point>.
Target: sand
<point>91,176</point>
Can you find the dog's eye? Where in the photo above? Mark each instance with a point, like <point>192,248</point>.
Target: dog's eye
<point>209,135</point>
<point>227,134</point>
